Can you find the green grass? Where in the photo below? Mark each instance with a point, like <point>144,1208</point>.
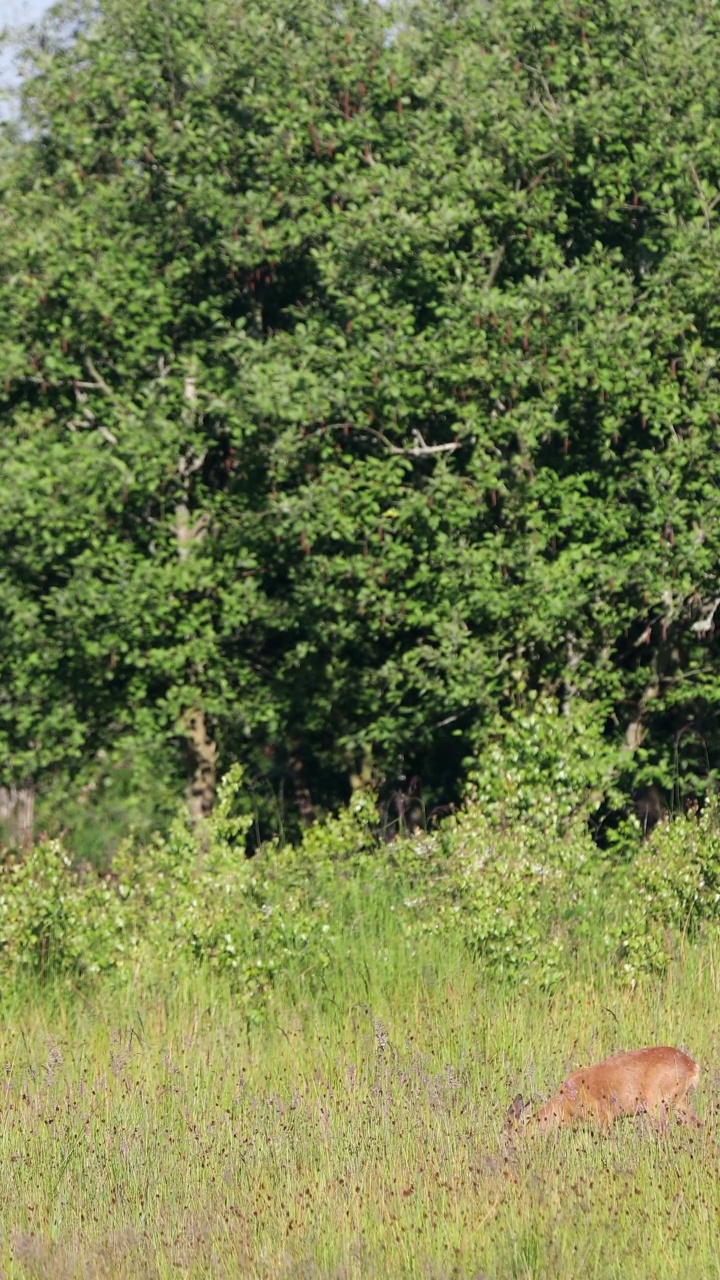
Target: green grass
<point>361,1134</point>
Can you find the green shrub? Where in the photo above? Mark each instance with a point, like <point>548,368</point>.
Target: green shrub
<point>543,766</point>
<point>522,900</point>
<point>529,899</point>
<point>674,890</point>
<point>194,898</point>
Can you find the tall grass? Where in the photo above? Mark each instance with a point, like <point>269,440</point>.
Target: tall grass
<point>148,1131</point>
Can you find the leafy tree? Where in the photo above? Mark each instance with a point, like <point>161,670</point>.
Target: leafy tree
<point>360,378</point>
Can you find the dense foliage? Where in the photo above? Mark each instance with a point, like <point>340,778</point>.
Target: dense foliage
<point>359,380</point>
<point>532,908</point>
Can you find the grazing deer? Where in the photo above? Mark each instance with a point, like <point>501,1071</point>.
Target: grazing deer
<point>645,1081</point>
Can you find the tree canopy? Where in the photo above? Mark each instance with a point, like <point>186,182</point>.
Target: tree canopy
<point>359,381</point>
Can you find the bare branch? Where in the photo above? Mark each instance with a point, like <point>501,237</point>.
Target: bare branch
<point>535,71</point>
<point>707,205</point>
<point>98,382</point>
<point>495,264</point>
<point>191,463</point>
<point>440,724</point>
<point>418,450</point>
<point>704,625</point>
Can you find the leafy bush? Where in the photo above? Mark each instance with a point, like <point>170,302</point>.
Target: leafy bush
<point>544,766</point>
<point>39,906</point>
<point>675,889</point>
<point>195,899</point>
<point>527,899</point>
<point>515,889</point>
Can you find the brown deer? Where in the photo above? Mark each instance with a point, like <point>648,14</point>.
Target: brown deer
<point>652,1081</point>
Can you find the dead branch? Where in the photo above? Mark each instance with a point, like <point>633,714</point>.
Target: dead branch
<point>418,450</point>
<point>98,382</point>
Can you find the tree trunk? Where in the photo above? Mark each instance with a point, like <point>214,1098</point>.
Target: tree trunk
<point>303,797</point>
<point>190,529</point>
<point>202,772</point>
<point>363,776</point>
<point>17,814</point>
<point>650,807</point>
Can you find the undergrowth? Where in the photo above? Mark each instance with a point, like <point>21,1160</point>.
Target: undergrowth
<point>528,900</point>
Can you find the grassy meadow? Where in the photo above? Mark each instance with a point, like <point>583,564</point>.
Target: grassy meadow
<point>149,1131</point>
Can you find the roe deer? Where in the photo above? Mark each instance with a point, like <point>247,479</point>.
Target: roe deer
<point>653,1081</point>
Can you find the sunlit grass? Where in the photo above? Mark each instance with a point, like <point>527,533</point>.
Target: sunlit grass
<point>360,1135</point>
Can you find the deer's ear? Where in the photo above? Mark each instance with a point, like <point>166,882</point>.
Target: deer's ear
<point>514,1113</point>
